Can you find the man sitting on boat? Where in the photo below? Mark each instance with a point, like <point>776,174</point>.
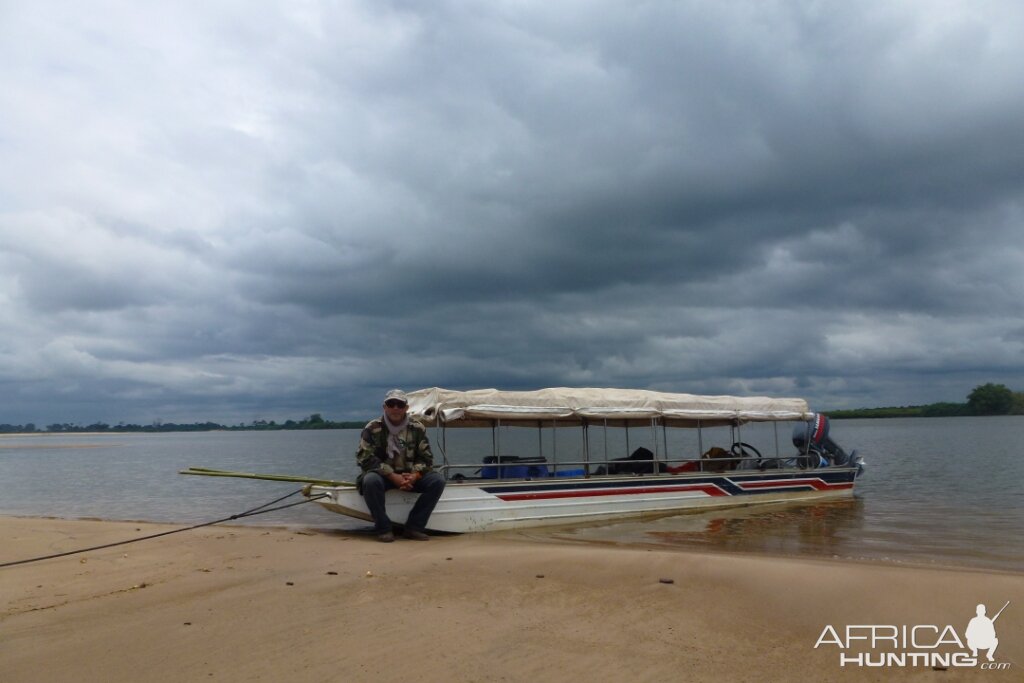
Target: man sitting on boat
<point>394,452</point>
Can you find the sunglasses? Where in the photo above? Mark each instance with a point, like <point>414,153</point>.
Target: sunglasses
<point>394,403</point>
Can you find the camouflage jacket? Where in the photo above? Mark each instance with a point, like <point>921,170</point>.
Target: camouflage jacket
<point>372,455</point>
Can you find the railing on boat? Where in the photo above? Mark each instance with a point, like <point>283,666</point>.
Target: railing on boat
<point>499,466</point>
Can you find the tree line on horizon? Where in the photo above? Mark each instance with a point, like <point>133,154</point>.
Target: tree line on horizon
<point>984,399</point>
<point>314,421</point>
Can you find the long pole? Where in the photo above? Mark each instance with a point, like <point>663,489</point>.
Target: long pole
<point>206,472</point>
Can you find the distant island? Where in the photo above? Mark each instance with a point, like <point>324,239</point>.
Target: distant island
<point>314,421</point>
<point>985,399</point>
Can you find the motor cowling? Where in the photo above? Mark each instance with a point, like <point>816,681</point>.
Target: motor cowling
<point>811,437</point>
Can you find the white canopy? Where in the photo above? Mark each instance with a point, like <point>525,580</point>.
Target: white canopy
<point>617,407</point>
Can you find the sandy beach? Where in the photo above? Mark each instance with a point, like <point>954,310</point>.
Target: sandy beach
<point>257,604</point>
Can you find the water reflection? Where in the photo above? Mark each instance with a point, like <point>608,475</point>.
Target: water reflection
<point>818,529</point>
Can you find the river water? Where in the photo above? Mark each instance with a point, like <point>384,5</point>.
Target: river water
<point>939,491</point>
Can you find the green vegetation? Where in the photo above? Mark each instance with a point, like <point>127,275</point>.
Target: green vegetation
<point>984,399</point>
<point>314,421</point>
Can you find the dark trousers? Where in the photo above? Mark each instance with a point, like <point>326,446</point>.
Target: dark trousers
<point>430,487</point>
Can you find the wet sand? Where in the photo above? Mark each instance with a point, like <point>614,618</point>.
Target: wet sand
<point>257,604</point>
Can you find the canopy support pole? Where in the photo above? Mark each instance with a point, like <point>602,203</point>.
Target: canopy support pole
<point>540,439</point>
<point>554,440</point>
<point>654,436</point>
<point>606,440</point>
<point>664,437</point>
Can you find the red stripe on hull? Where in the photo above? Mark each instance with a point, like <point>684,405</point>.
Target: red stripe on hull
<point>817,484</point>
<point>709,489</point>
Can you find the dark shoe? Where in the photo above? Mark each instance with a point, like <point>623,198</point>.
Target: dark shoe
<point>386,537</point>
<point>414,535</point>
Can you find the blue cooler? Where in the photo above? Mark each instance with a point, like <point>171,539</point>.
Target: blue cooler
<point>570,473</point>
<point>514,467</point>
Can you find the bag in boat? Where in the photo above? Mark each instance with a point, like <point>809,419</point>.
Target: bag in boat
<point>718,460</point>
<point>640,461</point>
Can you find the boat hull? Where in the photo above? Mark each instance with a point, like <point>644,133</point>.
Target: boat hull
<point>489,505</point>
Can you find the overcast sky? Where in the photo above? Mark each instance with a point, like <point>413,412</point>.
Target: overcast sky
<point>259,210</point>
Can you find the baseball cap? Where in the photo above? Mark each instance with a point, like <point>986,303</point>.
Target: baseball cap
<point>396,395</point>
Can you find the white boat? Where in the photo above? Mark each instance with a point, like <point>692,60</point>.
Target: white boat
<point>507,492</point>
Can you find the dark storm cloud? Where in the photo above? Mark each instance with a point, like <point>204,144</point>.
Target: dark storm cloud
<point>216,213</point>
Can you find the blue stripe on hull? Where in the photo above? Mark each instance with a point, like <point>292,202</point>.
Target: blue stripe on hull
<point>733,484</point>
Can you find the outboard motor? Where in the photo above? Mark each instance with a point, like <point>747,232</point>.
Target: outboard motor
<point>811,438</point>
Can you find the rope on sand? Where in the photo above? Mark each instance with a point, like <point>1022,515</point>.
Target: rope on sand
<point>259,510</point>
